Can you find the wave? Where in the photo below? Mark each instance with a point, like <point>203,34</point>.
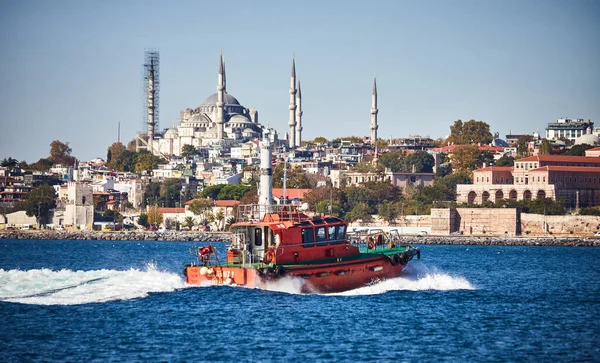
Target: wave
<point>67,287</point>
<point>416,277</point>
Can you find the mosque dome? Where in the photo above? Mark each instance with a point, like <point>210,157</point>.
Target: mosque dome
<point>229,99</point>
<point>237,118</point>
<point>589,139</point>
<point>170,134</point>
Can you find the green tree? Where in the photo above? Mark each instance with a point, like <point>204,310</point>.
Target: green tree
<point>212,192</point>
<point>389,211</point>
<point>200,205</point>
<point>578,150</point>
<point>170,193</point>
<point>233,191</point>
<point>143,220</point>
<point>188,222</point>
<point>505,160</point>
<point>9,163</point>
<point>362,212</point>
<point>39,202</point>
<point>320,140</point>
<point>486,157</point>
<point>189,150</point>
<point>523,145</point>
<point>146,162</point>
<point>393,160</point>
<point>421,160</point>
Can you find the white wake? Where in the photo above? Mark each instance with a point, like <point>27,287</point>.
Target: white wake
<point>66,287</point>
<point>416,277</point>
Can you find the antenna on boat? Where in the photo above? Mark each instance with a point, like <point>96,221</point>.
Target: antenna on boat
<point>265,195</point>
<point>285,180</point>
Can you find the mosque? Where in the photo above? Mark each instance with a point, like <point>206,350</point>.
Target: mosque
<point>220,119</point>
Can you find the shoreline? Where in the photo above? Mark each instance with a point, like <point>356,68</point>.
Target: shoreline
<point>173,236</point>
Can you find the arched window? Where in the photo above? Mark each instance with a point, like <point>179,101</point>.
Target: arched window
<point>471,197</point>
<point>499,195</point>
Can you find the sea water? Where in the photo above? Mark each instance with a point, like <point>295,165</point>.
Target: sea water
<point>128,301</point>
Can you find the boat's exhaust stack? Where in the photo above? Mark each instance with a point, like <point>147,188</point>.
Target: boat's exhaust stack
<point>265,195</point>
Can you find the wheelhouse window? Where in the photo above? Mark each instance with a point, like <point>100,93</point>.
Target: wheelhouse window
<point>308,237</point>
<point>258,236</point>
<point>336,234</point>
<point>321,236</point>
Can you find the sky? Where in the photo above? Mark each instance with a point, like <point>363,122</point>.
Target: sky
<point>72,70</point>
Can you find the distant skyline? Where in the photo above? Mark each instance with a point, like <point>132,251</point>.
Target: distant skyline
<point>72,70</point>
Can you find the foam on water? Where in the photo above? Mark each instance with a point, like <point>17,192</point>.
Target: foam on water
<point>66,287</point>
<point>416,277</point>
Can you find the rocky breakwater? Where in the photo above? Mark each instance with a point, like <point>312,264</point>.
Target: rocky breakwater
<point>504,241</point>
<point>120,236</point>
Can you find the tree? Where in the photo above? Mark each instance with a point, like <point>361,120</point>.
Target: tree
<point>320,140</point>
<point>145,162</point>
<point>578,150</point>
<point>39,202</point>
<point>421,160</point>
<point>545,147</point>
<point>188,222</point>
<point>9,163</point>
<point>41,165</point>
<point>233,191</point>
<point>393,160</point>
<point>113,155</point>
<point>389,211</point>
<point>189,150</point>
<point>60,153</point>
<point>486,157</point>
<point>200,205</point>
<point>465,159</point>
<point>471,132</point>
<point>523,145</point>
<point>143,220</point>
<point>170,193</point>
<point>155,216</point>
<point>360,211</point>
<point>505,160</point>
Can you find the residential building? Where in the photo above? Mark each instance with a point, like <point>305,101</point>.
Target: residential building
<point>569,129</point>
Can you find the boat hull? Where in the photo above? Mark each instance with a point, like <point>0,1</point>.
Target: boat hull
<point>316,278</point>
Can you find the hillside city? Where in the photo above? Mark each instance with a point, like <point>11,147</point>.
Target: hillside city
<point>364,181</point>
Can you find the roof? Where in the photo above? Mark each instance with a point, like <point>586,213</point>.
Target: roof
<point>496,168</point>
<point>450,148</point>
<point>227,203</point>
<point>562,159</point>
<point>291,193</point>
<point>228,99</point>
<point>570,169</point>
<point>172,210</point>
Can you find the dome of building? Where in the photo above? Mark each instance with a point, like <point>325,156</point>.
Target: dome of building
<point>228,99</point>
<point>249,133</point>
<point>170,134</point>
<point>500,142</point>
<point>237,118</point>
<point>589,139</point>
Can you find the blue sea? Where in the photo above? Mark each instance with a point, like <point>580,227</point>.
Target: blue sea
<point>128,301</point>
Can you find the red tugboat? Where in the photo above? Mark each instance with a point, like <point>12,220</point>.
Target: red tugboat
<point>274,242</point>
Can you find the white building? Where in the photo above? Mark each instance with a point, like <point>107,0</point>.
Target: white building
<point>569,129</point>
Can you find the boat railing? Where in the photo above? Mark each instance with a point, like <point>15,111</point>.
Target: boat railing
<point>270,213</point>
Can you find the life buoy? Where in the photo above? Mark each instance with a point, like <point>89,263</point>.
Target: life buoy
<point>379,239</point>
<point>269,256</point>
<point>370,243</point>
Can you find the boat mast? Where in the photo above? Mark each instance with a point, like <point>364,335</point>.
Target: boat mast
<point>265,196</point>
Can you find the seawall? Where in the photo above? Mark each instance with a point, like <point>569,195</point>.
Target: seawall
<point>226,237</point>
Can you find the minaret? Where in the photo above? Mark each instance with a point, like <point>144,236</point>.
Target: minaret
<point>292,124</point>
<point>299,117</point>
<point>220,96</point>
<point>374,112</point>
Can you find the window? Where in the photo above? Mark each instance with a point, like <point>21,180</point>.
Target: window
<point>321,236</point>
<point>308,237</point>
<point>258,236</point>
<point>341,234</point>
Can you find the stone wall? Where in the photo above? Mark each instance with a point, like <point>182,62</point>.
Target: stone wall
<point>475,221</point>
<point>537,224</point>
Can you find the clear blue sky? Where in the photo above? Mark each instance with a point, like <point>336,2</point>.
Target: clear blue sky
<point>71,70</point>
